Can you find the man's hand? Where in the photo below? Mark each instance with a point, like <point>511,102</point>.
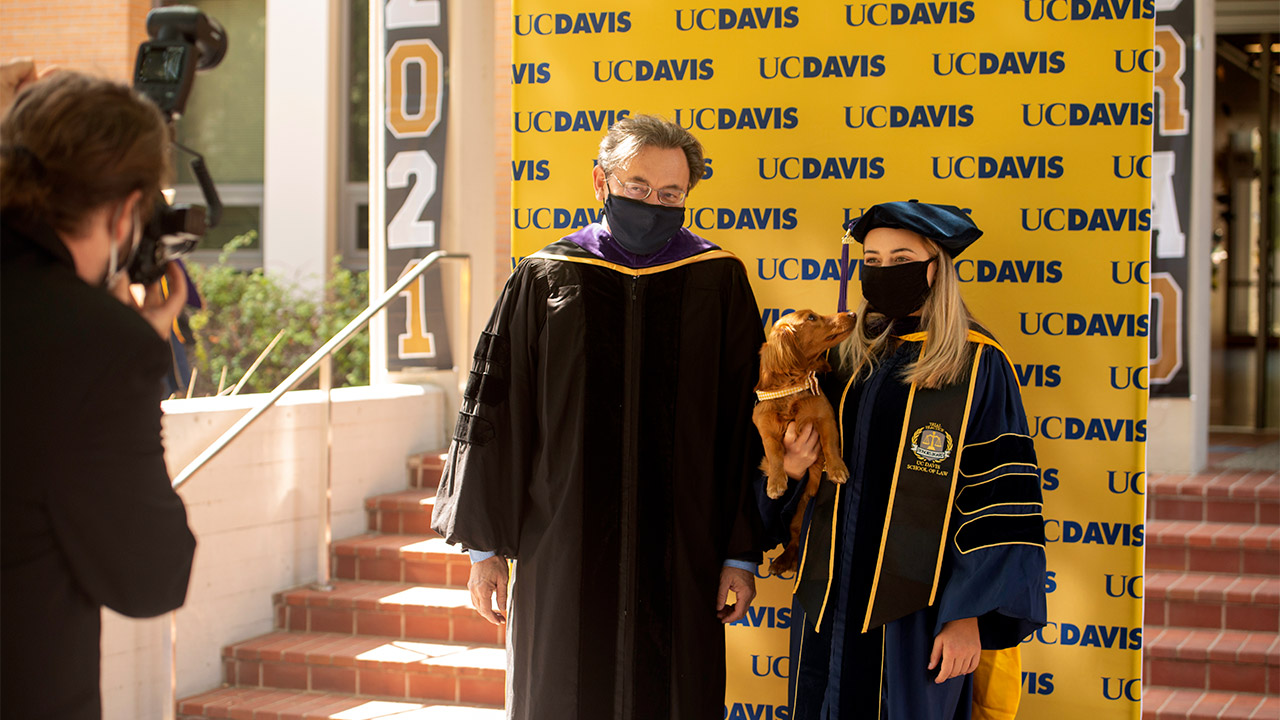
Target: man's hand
<point>15,75</point>
<point>958,647</point>
<point>161,311</point>
<point>489,577</point>
<point>801,447</point>
<point>151,303</point>
<point>743,585</point>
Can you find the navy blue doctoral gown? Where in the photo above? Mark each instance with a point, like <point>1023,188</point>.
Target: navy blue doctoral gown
<point>993,566</point>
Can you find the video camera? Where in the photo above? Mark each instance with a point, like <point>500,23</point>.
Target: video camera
<point>183,40</point>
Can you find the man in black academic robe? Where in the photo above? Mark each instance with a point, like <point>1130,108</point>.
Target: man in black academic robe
<point>605,444</point>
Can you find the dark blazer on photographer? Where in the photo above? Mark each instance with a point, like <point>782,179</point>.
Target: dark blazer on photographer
<point>87,514</point>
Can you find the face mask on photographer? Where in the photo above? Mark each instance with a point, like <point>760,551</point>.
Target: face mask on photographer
<point>896,290</point>
<point>117,265</point>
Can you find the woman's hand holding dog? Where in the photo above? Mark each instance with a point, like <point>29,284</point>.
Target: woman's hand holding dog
<point>802,448</point>
<point>489,578</point>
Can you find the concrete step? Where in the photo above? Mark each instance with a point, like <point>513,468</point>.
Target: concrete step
<point>1165,703</point>
<point>1214,660</point>
<point>1206,600</point>
<point>273,704</point>
<point>419,559</point>
<point>395,610</point>
<point>1236,496</point>
<point>406,512</point>
<point>1212,547</point>
<point>369,666</point>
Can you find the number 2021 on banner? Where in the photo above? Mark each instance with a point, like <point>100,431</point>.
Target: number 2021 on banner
<point>416,342</point>
<point>414,100</point>
<point>415,79</point>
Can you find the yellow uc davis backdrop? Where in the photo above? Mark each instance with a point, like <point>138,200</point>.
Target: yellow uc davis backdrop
<point>1031,113</point>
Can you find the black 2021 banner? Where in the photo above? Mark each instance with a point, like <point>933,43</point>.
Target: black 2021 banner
<point>415,99</point>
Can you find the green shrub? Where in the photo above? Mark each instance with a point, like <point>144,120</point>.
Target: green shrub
<point>243,311</point>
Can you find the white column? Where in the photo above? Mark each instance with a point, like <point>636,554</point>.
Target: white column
<point>301,153</point>
<point>468,202</point>
<point>378,373</point>
<point>1200,264</point>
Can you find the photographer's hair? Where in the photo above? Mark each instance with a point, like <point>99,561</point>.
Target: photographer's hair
<point>946,354</point>
<point>633,133</point>
<point>72,143</point>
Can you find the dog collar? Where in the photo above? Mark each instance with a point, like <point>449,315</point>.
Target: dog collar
<point>810,383</point>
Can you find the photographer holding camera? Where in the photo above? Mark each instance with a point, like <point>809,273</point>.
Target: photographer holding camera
<point>87,514</point>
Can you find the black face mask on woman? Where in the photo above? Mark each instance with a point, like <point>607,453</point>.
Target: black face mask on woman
<point>896,290</point>
<point>639,227</point>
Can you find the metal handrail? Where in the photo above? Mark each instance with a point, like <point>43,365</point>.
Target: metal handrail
<point>307,367</point>
<point>295,378</point>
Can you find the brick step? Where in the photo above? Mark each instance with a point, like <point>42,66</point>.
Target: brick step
<point>1204,600</point>
<point>425,468</point>
<point>1215,660</point>
<point>273,704</point>
<point>371,666</point>
<point>419,559</point>
<point>396,610</point>
<point>1224,548</point>
<point>406,512</point>
<point>1238,496</point>
<point>1165,703</point>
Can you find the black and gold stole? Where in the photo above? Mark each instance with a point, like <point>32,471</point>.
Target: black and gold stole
<point>914,537</point>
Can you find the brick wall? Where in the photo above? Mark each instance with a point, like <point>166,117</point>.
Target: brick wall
<point>100,37</point>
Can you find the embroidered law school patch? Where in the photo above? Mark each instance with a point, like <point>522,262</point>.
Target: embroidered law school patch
<point>931,443</point>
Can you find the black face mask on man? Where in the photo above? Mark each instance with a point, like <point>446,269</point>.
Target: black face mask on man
<point>896,290</point>
<point>639,227</point>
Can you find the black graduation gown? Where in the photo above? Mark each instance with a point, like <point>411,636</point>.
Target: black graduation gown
<point>992,568</point>
<point>89,517</point>
<point>605,443</point>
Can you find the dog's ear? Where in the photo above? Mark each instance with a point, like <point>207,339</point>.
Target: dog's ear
<point>781,355</point>
<point>768,360</point>
<point>789,348</point>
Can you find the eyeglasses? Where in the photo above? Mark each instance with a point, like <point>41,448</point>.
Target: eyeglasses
<point>640,191</point>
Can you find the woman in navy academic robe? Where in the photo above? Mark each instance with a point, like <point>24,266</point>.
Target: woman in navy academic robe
<point>928,564</point>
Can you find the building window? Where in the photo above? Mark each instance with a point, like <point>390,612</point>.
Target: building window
<point>241,214</point>
<point>224,122</point>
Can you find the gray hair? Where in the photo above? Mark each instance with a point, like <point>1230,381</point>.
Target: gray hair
<point>631,134</point>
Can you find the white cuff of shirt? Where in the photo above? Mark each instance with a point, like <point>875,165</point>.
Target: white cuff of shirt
<point>479,555</point>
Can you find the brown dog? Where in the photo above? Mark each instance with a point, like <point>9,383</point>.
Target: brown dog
<point>788,392</point>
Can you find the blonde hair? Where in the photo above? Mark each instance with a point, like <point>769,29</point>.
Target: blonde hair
<point>627,137</point>
<point>944,317</point>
